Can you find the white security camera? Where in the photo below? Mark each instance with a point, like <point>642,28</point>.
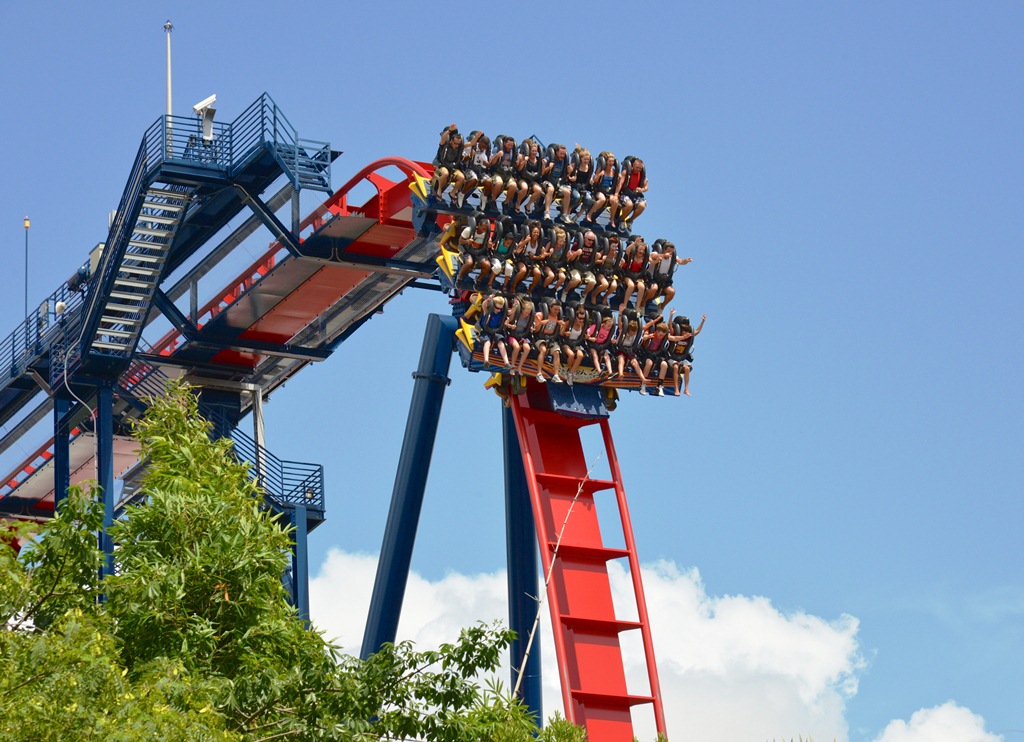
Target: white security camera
<point>204,104</point>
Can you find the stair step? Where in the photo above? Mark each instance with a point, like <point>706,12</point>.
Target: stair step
<point>146,231</point>
<point>175,195</point>
<point>109,307</point>
<point>565,482</point>
<point>139,270</point>
<point>608,700</point>
<point>119,320</point>
<point>108,346</point>
<point>143,245</point>
<point>176,208</point>
<point>597,625</point>
<point>595,554</point>
<point>113,333</point>
<point>127,295</point>
<point>158,219</point>
<point>133,283</point>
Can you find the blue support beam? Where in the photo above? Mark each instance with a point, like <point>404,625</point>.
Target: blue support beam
<point>105,470</point>
<point>523,571</point>
<point>300,562</point>
<point>61,450</point>
<point>410,483</point>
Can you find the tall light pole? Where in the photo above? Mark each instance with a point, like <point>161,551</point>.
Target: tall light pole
<point>27,225</point>
<point>167,32</point>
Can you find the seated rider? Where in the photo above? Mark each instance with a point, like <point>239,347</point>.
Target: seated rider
<point>607,263</point>
<point>573,340</point>
<point>478,171</point>
<point>519,326</point>
<point>631,272</point>
<point>626,344</point>
<point>582,258</point>
<point>531,253</point>
<point>599,340</point>
<point>448,165</point>
<point>633,186</point>
<point>662,267</point>
<point>680,352</point>
<point>546,332</point>
<point>605,186</point>
<point>554,267</point>
<point>473,245</point>
<point>492,327</point>
<point>654,350</point>
<point>501,253</point>
<point>556,182</point>
<point>580,173</point>
<point>530,172</point>
<point>502,166</point>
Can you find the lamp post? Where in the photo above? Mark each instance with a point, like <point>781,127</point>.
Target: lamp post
<point>27,225</point>
<point>167,30</point>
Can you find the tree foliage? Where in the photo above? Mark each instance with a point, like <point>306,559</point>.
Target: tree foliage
<point>194,638</point>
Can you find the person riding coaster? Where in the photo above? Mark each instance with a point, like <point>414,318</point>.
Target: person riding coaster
<point>448,165</point>
<point>473,245</point>
<point>503,172</point>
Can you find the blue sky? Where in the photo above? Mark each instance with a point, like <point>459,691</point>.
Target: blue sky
<point>848,179</point>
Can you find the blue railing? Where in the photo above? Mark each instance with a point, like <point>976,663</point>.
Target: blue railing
<point>285,482</point>
<point>32,339</point>
<point>232,145</point>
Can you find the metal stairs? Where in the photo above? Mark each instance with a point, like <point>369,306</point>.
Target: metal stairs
<point>124,308</point>
<point>307,163</point>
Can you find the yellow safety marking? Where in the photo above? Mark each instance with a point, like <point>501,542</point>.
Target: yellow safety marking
<point>448,260</point>
<point>419,186</point>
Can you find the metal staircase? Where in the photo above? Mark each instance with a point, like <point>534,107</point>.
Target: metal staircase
<point>124,307</point>
<point>307,163</point>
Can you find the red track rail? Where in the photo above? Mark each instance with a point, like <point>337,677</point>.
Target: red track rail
<point>586,629</point>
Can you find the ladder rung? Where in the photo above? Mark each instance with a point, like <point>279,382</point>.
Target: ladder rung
<point>151,232</point>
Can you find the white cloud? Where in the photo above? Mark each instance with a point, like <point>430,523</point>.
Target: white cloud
<point>946,723</point>
<point>731,667</point>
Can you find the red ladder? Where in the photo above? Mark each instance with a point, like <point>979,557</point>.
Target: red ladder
<point>586,630</point>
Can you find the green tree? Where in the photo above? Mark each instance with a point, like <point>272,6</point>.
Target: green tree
<point>195,638</point>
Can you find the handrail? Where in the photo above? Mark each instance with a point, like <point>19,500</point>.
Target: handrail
<point>286,482</point>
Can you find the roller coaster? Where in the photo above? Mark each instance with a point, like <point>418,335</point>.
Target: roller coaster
<point>81,361</point>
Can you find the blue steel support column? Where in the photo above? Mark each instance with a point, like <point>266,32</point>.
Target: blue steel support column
<point>61,451</point>
<point>300,563</point>
<point>523,570</point>
<point>105,470</point>
<point>410,482</point>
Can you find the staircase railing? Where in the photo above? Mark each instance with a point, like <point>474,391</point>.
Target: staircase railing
<point>285,482</point>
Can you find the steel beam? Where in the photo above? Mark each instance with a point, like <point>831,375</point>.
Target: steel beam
<point>300,562</point>
<point>105,470</point>
<point>523,572</point>
<point>410,483</point>
<point>61,450</point>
